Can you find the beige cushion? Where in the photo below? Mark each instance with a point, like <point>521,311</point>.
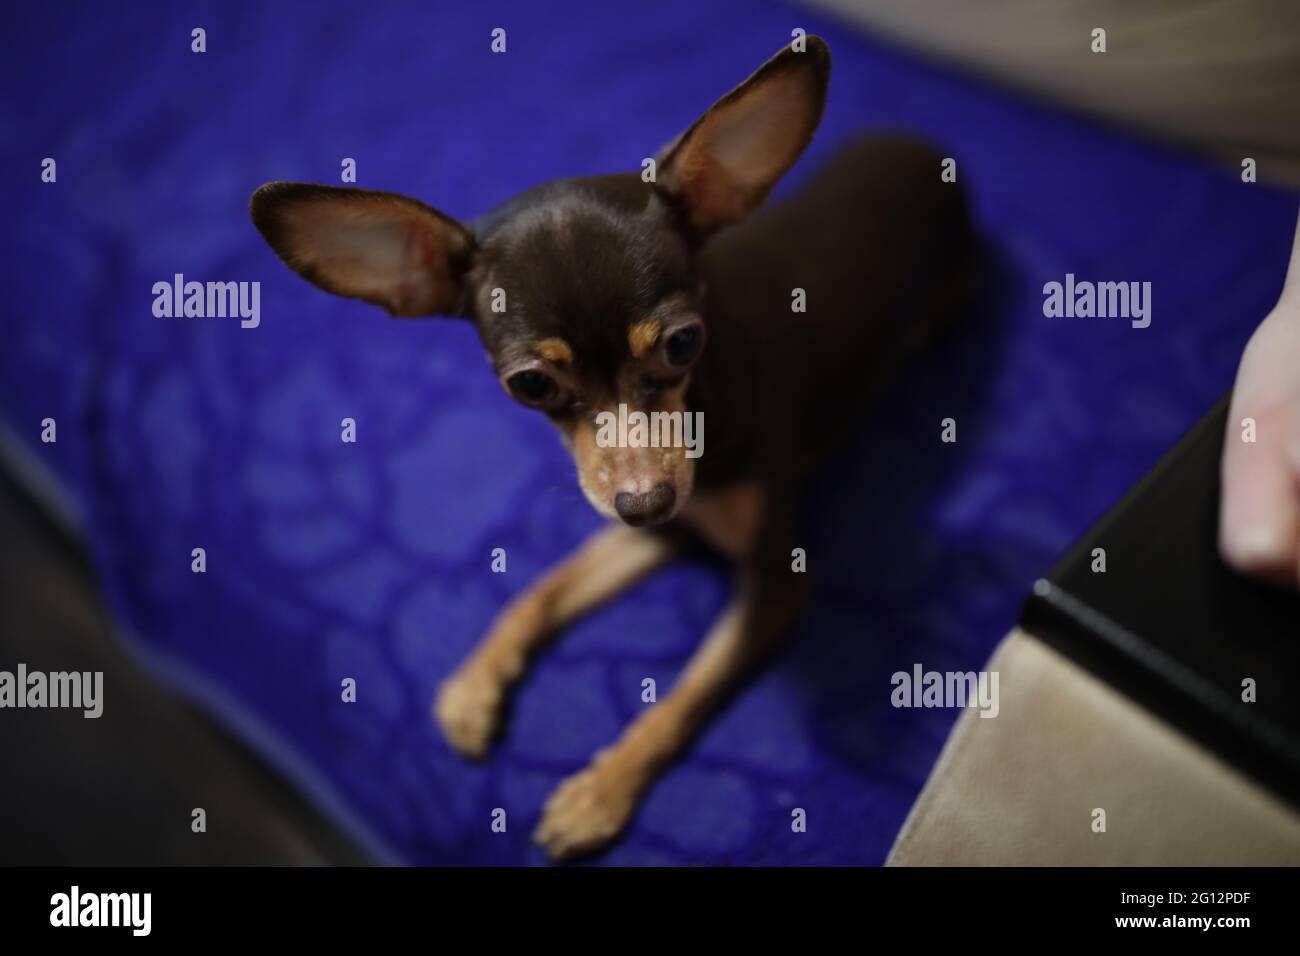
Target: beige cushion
<point>1216,75</point>
<point>1021,788</point>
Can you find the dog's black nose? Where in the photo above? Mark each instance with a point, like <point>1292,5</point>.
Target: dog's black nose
<point>648,508</point>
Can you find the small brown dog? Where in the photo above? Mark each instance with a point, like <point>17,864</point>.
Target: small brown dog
<point>596,294</point>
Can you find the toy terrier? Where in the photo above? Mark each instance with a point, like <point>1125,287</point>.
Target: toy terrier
<point>666,291</point>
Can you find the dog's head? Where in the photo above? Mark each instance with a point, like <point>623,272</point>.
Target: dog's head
<point>584,291</point>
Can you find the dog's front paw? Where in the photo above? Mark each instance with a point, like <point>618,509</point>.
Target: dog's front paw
<point>468,709</point>
<point>587,811</point>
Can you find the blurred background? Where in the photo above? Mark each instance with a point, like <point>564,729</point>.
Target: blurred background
<point>370,561</point>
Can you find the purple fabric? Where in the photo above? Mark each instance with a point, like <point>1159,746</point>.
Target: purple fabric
<point>329,560</point>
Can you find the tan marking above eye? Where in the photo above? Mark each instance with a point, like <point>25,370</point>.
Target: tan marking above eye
<point>641,336</point>
<point>555,350</point>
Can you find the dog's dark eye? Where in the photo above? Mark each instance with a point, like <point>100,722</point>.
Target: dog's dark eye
<point>683,346</point>
<point>532,387</point>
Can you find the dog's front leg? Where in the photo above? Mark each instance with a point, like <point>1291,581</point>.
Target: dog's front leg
<point>590,808</point>
<point>468,706</point>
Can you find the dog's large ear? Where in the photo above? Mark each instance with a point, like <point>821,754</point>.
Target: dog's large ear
<point>380,247</point>
<point>721,168</point>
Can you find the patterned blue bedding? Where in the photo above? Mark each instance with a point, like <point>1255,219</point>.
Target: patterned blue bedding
<point>371,560</point>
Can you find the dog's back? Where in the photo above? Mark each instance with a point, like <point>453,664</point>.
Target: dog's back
<point>881,248</point>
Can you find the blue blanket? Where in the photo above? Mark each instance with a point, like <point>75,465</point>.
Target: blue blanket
<point>328,560</point>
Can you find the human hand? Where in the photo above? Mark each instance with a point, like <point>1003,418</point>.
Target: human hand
<point>1259,517</point>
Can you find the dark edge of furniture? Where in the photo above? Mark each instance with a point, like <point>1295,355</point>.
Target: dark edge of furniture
<point>1172,627</point>
<point>76,812</point>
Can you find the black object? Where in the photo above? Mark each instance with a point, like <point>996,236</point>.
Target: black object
<point>1171,626</point>
<point>120,789</point>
